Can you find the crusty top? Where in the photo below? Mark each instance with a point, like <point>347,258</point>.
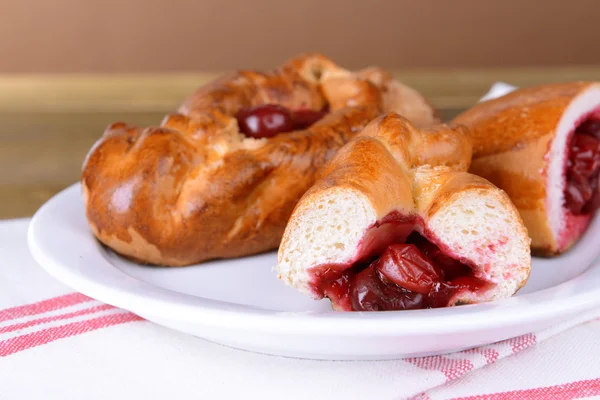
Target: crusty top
<point>524,115</point>
<point>380,162</point>
<point>195,188</point>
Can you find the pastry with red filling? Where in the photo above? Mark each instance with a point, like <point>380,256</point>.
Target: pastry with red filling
<point>397,223</point>
<point>221,177</point>
<point>542,146</point>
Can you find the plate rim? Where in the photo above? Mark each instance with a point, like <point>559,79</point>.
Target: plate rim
<point>124,291</point>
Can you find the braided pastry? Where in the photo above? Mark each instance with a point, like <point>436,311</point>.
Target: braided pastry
<point>396,222</point>
<point>542,146</point>
<point>221,177</point>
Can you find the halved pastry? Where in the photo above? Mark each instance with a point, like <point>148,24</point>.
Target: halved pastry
<point>396,223</point>
<point>542,146</point>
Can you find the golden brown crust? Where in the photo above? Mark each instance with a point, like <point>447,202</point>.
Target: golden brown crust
<point>513,120</point>
<point>294,85</point>
<point>380,162</point>
<point>402,99</point>
<point>438,145</point>
<point>434,187</point>
<point>195,188</point>
<point>521,173</point>
<point>512,136</point>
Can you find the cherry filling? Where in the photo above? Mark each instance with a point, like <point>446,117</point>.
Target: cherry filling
<point>271,119</point>
<point>582,192</point>
<point>412,275</point>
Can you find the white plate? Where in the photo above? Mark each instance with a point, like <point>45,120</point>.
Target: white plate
<point>240,303</point>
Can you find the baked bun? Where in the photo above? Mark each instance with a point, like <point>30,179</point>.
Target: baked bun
<point>396,222</point>
<point>542,146</point>
<point>221,177</point>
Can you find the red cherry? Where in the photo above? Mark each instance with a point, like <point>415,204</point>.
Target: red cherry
<point>594,202</point>
<point>408,268</point>
<point>337,290</point>
<point>305,118</point>
<point>584,156</point>
<point>369,292</point>
<point>449,267</point>
<point>590,127</point>
<point>443,293</point>
<point>576,195</point>
<point>265,121</point>
<point>583,168</point>
<point>403,278</point>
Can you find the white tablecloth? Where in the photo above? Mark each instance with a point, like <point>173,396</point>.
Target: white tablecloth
<point>58,344</point>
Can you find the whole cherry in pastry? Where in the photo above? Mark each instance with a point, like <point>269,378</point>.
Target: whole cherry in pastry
<point>396,223</point>
<point>542,146</point>
<point>404,278</point>
<point>265,121</point>
<point>220,177</point>
<point>268,120</point>
<point>583,167</point>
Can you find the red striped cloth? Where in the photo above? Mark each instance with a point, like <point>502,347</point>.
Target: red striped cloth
<point>55,343</point>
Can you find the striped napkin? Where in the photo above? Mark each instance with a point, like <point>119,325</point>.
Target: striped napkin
<point>59,344</point>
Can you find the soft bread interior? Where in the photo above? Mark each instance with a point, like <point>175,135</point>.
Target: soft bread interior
<point>465,216</point>
<point>327,228</point>
<point>481,228</point>
<point>370,198</point>
<point>477,226</point>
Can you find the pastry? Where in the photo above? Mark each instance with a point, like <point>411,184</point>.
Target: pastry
<point>542,146</point>
<point>395,222</point>
<point>221,177</point>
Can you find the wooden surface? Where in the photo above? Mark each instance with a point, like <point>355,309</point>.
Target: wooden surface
<point>48,123</point>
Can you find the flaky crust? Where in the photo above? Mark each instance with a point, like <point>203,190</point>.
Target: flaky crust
<point>195,189</point>
<point>512,137</point>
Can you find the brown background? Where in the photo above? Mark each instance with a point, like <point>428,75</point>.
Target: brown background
<point>170,35</point>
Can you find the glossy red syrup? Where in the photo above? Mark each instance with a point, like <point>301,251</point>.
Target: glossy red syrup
<point>411,275</point>
<point>582,192</point>
<point>270,119</point>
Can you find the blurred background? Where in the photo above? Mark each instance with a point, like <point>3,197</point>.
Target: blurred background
<point>70,67</point>
<point>179,35</point>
